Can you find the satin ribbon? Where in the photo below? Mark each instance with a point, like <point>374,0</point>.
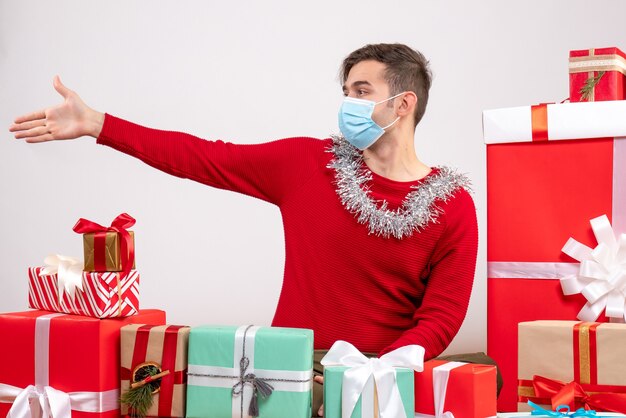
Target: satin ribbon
<point>47,402</point>
<point>561,411</point>
<point>609,62</point>
<point>539,122</point>
<point>382,370</point>
<point>574,395</point>
<point>601,277</point>
<point>69,271</point>
<point>43,401</point>
<point>441,375</point>
<point>120,225</point>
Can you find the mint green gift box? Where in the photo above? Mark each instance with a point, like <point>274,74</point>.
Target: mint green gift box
<point>275,354</point>
<point>333,384</point>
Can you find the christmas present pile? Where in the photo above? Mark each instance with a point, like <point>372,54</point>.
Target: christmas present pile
<point>551,169</point>
<point>63,359</point>
<point>106,286</point>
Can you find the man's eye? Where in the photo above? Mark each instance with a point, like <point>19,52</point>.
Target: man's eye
<point>361,92</point>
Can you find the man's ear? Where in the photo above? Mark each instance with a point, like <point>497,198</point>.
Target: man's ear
<point>407,104</point>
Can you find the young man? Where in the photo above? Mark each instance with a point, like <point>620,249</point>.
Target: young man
<point>380,247</point>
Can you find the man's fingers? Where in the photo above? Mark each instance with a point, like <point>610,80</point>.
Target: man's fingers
<point>30,133</point>
<point>41,114</point>
<point>26,125</point>
<point>58,86</point>
<point>319,379</point>
<point>40,138</point>
<point>320,412</point>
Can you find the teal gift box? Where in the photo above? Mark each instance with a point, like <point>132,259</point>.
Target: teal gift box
<point>333,384</point>
<point>234,370</point>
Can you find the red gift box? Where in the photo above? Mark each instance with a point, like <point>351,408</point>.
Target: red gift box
<point>68,358</point>
<point>540,192</point>
<point>103,295</point>
<point>602,69</point>
<point>466,390</point>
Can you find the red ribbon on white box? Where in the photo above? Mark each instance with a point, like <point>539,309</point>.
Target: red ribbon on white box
<point>565,121</point>
<point>570,273</point>
<point>47,401</point>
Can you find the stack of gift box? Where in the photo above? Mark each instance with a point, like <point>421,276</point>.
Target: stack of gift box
<point>87,350</point>
<point>556,198</point>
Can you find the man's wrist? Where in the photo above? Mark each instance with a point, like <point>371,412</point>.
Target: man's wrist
<point>95,121</point>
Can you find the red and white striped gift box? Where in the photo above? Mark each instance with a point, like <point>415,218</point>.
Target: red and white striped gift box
<point>103,295</point>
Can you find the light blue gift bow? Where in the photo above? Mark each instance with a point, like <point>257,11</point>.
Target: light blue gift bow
<point>581,412</point>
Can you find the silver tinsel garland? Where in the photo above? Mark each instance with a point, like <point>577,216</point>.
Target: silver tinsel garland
<point>418,209</point>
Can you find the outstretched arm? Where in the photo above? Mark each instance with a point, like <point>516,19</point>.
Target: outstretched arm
<point>268,171</point>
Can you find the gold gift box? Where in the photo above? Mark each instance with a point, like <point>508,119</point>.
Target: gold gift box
<point>111,250</point>
<point>552,349</point>
<point>156,338</point>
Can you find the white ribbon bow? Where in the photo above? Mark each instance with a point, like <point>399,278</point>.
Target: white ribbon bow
<point>361,369</point>
<point>602,274</point>
<point>47,402</point>
<point>69,271</point>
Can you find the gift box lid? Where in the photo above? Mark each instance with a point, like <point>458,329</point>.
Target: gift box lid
<point>582,120</point>
<point>609,59</point>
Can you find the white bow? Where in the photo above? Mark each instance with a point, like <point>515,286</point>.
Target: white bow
<point>361,369</point>
<point>602,275</point>
<point>69,271</point>
<point>47,402</point>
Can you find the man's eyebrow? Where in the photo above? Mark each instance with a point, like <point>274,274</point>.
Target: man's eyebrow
<point>358,84</point>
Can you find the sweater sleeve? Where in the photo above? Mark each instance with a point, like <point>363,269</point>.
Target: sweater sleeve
<point>268,171</point>
<point>449,285</point>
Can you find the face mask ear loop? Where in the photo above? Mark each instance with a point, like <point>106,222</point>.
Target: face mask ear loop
<point>385,127</point>
<point>392,97</point>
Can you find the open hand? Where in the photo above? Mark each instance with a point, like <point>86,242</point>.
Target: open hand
<point>71,119</point>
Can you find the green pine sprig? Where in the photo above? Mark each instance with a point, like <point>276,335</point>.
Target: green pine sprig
<point>590,84</point>
<point>140,399</point>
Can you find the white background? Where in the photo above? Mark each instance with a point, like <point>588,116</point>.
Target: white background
<point>247,72</point>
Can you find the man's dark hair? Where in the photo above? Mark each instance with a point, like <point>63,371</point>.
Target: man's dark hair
<point>407,70</point>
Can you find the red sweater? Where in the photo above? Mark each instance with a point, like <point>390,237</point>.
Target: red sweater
<point>343,283</point>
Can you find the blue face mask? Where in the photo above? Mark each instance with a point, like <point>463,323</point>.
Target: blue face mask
<point>356,124</point>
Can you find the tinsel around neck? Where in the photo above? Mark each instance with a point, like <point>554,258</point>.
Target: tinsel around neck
<point>419,208</point>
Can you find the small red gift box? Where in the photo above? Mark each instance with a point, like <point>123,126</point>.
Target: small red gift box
<point>108,248</point>
<point>68,363</point>
<point>466,390</point>
<point>597,74</point>
<point>103,295</point>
